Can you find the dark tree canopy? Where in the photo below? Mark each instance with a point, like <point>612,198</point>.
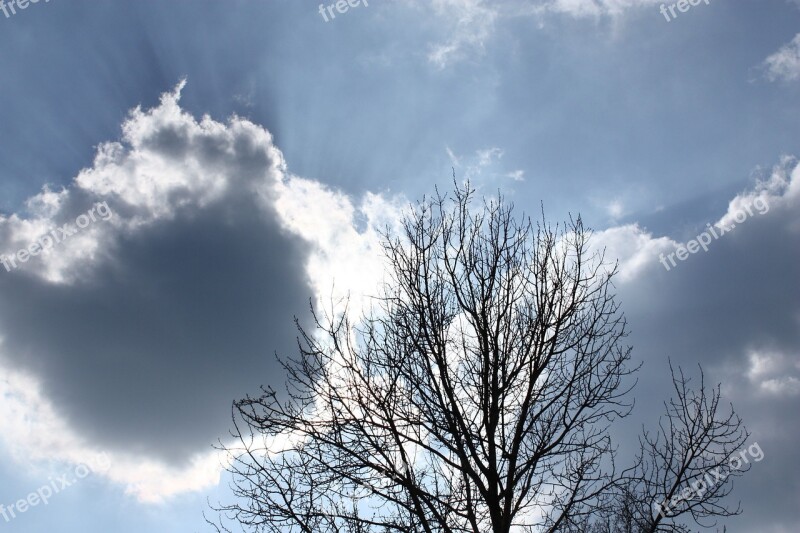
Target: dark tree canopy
<point>476,396</point>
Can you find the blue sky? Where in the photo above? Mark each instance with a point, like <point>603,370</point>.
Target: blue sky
<point>132,337</point>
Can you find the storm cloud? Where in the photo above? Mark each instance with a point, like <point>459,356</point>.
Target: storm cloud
<point>142,329</point>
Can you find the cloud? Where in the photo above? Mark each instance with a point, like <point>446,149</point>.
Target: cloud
<point>482,163</point>
<point>516,175</point>
<point>774,373</point>
<point>347,256</point>
<point>134,336</point>
<point>615,209</point>
<point>592,8</point>
<point>36,434</point>
<point>634,248</point>
<point>785,63</point>
<point>469,25</point>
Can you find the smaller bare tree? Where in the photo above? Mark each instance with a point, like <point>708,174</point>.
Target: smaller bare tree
<point>684,469</point>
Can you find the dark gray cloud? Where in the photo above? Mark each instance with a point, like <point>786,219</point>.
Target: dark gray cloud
<point>146,351</point>
<point>144,328</point>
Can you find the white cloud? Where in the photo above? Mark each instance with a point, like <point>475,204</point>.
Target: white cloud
<point>785,63</point>
<point>483,163</point>
<point>148,181</point>
<point>487,156</point>
<point>615,209</point>
<point>634,248</point>
<point>346,262</point>
<point>771,373</point>
<point>453,159</point>
<point>593,8</point>
<point>637,249</point>
<point>783,386</point>
<point>516,175</point>
<point>469,23</point>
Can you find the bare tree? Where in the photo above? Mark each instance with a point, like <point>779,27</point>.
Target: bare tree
<point>475,396</point>
<point>686,468</point>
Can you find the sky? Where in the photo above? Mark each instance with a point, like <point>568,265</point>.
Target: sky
<point>197,173</point>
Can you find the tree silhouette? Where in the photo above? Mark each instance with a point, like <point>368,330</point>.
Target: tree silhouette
<point>684,469</point>
<point>476,395</point>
